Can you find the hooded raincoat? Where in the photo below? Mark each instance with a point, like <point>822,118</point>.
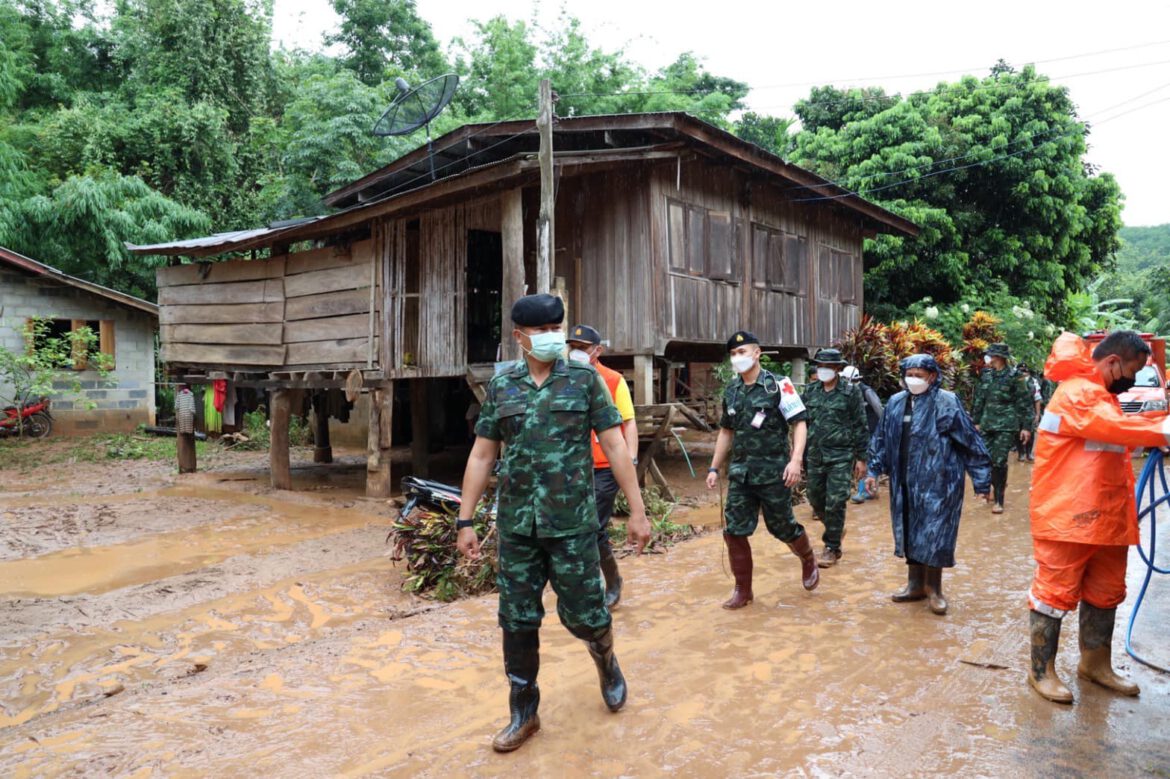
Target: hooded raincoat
<point>943,444</point>
<point>1083,483</point>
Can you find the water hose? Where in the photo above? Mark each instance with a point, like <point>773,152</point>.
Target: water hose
<point>1147,491</point>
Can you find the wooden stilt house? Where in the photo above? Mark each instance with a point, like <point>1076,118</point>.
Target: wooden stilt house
<point>670,235</point>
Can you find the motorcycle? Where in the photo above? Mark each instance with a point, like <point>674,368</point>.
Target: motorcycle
<point>31,420</point>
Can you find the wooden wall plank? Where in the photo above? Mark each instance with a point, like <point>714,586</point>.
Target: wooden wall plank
<point>354,301</point>
<point>262,334</point>
<point>221,354</point>
<point>356,276</point>
<point>329,257</point>
<point>327,352</point>
<point>220,272</point>
<point>267,291</point>
<point>247,313</point>
<point>328,329</point>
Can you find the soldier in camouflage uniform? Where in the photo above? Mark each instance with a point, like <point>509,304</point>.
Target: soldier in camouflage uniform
<point>838,434</point>
<point>758,409</point>
<point>1002,413</point>
<point>545,410</point>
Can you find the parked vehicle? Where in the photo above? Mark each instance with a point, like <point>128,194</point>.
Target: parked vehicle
<point>31,420</point>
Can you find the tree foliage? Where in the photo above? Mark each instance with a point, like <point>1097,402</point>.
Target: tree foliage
<point>385,38</point>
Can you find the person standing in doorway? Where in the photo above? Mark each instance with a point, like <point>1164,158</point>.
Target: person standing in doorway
<point>585,347</point>
<point>925,443</point>
<point>759,410</point>
<point>837,439</point>
<point>545,410</point>
<point>1002,412</point>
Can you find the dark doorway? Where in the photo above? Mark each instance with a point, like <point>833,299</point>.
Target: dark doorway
<point>485,281</point>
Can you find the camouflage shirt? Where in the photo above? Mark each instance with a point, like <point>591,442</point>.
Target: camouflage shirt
<point>759,416</point>
<point>1003,401</point>
<point>546,477</point>
<point>838,429</point>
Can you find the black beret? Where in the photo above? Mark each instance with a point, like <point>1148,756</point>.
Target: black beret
<point>537,310</point>
<point>740,339</point>
<point>584,334</point>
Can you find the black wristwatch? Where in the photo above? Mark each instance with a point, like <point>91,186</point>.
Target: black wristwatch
<point>462,523</point>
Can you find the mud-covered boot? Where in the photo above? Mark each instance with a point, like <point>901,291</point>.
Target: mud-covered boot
<point>999,487</point>
<point>938,601</point>
<point>1045,631</point>
<point>915,588</point>
<point>613,684</point>
<point>1097,650</point>
<point>521,664</point>
<point>739,556</point>
<point>810,575</point>
<point>828,557</point>
<point>613,579</point>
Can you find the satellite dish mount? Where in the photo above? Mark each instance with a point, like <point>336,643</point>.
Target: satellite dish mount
<point>415,108</point>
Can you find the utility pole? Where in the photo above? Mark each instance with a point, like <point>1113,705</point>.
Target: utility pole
<point>545,251</point>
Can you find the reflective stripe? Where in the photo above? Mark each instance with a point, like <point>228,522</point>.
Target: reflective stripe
<point>1041,607</point>
<point>1050,423</point>
<point>1101,446</point>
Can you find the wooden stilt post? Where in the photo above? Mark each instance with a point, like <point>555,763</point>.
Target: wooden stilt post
<point>186,447</point>
<point>278,455</point>
<point>420,426</point>
<point>378,483</point>
<point>545,238</point>
<point>322,450</point>
<point>512,240</point>
<point>643,379</point>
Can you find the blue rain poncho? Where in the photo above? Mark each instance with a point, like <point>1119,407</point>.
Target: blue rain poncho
<point>926,493</point>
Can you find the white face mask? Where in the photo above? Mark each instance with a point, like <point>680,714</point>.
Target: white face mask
<point>578,355</point>
<point>987,359</point>
<point>916,385</point>
<point>825,375</point>
<point>742,363</point>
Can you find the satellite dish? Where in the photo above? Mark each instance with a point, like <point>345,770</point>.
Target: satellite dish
<point>415,108</point>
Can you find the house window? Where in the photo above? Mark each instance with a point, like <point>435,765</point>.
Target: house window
<point>58,331</point>
<point>779,260</point>
<point>837,277</point>
<point>722,247</point>
<point>702,242</point>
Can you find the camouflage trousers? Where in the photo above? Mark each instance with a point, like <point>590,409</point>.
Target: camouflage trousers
<point>744,502</point>
<point>1000,444</point>
<point>570,563</point>
<point>829,485</point>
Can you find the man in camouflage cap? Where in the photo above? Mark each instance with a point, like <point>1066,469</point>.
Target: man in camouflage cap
<point>758,410</point>
<point>1002,413</point>
<point>838,434</point>
<point>545,409</point>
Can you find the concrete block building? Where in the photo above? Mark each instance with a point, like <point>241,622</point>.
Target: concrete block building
<point>126,327</point>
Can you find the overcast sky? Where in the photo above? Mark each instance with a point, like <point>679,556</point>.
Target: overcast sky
<point>1113,56</point>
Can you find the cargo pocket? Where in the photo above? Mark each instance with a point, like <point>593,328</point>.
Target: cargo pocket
<point>569,416</point>
<point>511,417</point>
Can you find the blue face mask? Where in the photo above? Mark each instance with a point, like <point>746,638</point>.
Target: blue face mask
<point>547,347</point>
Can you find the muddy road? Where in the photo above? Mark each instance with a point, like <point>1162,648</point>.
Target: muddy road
<point>207,626</point>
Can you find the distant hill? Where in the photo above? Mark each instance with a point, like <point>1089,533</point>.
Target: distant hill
<point>1144,247</point>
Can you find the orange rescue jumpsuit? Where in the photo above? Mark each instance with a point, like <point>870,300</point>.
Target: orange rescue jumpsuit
<point>1084,515</point>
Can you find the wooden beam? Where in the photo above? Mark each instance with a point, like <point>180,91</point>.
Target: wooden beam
<point>643,379</point>
<point>186,447</point>
<point>278,446</point>
<point>512,240</point>
<point>545,238</point>
<point>420,427</point>
<point>322,450</point>
<point>378,484</point>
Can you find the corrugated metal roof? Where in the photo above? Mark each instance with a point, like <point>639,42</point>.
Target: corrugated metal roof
<point>18,260</point>
<point>211,241</point>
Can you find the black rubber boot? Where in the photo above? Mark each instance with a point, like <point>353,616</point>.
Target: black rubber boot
<point>1042,676</point>
<point>521,664</point>
<point>938,601</point>
<point>915,588</point>
<point>999,486</point>
<point>613,579</point>
<point>613,684</point>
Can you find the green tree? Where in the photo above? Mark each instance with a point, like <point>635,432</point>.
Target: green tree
<point>499,71</point>
<point>685,85</point>
<point>771,133</point>
<point>82,226</point>
<point>992,170</point>
<point>384,37</point>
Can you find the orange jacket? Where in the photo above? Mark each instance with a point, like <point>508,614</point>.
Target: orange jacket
<point>1083,483</point>
<point>611,378</point>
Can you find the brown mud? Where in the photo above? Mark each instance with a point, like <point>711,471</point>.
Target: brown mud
<point>207,626</point>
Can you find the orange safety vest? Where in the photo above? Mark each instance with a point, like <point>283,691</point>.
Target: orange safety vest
<point>611,378</point>
<point>1082,482</point>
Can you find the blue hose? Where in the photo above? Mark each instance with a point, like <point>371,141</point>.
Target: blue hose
<point>1147,489</point>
